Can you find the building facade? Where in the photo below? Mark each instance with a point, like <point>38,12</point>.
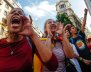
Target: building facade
<point>63,6</point>
<point>88,4</point>
<point>37,30</point>
<point>5,7</point>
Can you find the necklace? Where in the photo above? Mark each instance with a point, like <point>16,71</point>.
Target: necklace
<point>12,46</point>
<point>11,52</point>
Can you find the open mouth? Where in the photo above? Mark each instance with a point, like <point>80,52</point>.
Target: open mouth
<point>54,26</point>
<point>15,21</point>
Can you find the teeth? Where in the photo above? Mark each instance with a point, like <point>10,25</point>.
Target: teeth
<point>15,18</point>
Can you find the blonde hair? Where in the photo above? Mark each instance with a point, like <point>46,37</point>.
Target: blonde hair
<point>45,32</point>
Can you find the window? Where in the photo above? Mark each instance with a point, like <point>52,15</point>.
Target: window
<point>1,2</point>
<point>5,13</point>
<point>66,14</point>
<point>4,20</point>
<point>90,25</point>
<point>62,6</point>
<point>13,4</point>
<point>7,6</point>
<point>1,30</point>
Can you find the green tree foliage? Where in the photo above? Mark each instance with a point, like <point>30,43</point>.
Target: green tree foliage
<point>63,18</point>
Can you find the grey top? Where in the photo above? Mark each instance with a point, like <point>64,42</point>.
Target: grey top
<point>58,51</point>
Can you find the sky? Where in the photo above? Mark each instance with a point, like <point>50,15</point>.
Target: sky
<point>78,6</point>
<point>41,10</point>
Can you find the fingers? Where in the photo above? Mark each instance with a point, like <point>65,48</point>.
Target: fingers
<point>24,17</point>
<point>30,19</point>
<point>87,62</point>
<point>25,20</point>
<point>21,33</point>
<point>25,32</point>
<point>85,10</point>
<point>8,19</point>
<point>48,30</point>
<point>48,26</point>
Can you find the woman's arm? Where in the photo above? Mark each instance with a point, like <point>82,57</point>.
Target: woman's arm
<point>65,42</point>
<point>85,61</point>
<point>47,42</point>
<point>44,52</point>
<point>84,21</point>
<point>68,50</point>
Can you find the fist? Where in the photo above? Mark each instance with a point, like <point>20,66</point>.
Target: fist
<point>60,29</point>
<point>48,30</point>
<point>87,62</point>
<point>27,28</point>
<point>85,10</point>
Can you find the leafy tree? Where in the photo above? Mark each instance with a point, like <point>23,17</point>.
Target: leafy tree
<point>63,18</point>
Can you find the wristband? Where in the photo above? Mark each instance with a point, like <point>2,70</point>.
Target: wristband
<point>80,58</point>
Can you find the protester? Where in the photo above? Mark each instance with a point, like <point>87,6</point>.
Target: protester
<point>61,48</point>
<point>79,40</point>
<point>89,43</point>
<point>74,60</point>
<point>15,51</point>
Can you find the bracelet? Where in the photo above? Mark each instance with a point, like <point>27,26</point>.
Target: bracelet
<point>80,58</point>
<point>48,36</point>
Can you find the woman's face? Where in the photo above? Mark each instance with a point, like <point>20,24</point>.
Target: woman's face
<point>67,33</point>
<point>73,30</point>
<point>52,24</point>
<point>15,20</point>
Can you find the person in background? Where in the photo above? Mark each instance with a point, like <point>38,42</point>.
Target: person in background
<point>15,51</point>
<point>76,55</point>
<point>89,43</point>
<point>60,48</point>
<point>79,40</point>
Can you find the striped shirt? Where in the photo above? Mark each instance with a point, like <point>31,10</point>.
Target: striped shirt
<point>58,51</point>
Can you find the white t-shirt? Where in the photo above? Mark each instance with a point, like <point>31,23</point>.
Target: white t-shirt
<point>74,60</point>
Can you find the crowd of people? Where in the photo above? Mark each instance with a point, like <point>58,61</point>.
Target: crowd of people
<point>61,43</point>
